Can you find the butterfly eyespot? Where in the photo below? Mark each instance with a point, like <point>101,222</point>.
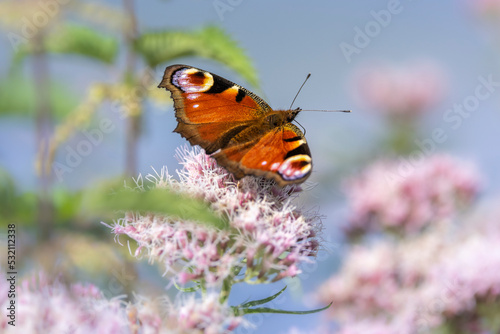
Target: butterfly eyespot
<point>192,80</point>
<point>296,167</point>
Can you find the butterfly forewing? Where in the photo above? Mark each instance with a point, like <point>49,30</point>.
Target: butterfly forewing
<point>231,122</point>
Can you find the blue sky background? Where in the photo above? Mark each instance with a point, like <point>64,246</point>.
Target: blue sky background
<point>286,40</point>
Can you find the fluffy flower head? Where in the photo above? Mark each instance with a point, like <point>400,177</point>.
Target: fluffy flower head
<point>437,279</point>
<point>267,239</point>
<point>404,91</point>
<point>384,197</point>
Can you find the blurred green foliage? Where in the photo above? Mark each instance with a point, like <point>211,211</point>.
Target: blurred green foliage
<point>15,206</point>
<point>71,39</point>
<point>17,97</point>
<point>109,198</point>
<point>209,42</point>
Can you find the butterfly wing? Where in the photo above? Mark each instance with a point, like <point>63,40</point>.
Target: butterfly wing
<point>210,110</point>
<point>281,154</point>
<point>230,121</point>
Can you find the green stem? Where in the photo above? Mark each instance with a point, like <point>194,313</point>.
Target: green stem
<point>133,121</point>
<point>203,287</point>
<point>41,78</point>
<point>401,135</point>
<point>227,285</point>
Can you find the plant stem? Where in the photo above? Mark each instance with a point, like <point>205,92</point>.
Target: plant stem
<point>133,121</point>
<point>401,136</point>
<point>43,125</point>
<point>227,284</point>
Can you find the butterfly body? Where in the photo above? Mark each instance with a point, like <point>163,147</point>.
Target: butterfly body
<point>239,129</point>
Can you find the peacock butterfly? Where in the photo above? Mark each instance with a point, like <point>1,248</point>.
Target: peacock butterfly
<point>238,128</point>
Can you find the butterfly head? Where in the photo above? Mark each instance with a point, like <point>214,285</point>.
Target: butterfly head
<point>281,117</point>
<point>292,114</point>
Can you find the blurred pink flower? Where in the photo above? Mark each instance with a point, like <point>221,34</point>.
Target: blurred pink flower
<point>207,314</point>
<point>51,307</point>
<point>470,272</point>
<point>319,330</point>
<point>441,278</point>
<point>267,240</point>
<point>382,197</point>
<point>378,280</point>
<point>405,91</point>
<point>366,279</point>
<point>374,326</point>
<point>487,8</point>
<point>46,307</point>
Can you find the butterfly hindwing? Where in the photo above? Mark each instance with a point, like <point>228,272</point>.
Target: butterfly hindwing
<point>242,132</point>
<point>282,154</point>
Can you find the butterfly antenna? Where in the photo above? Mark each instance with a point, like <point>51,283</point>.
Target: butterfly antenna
<point>303,128</point>
<point>323,110</point>
<point>308,76</point>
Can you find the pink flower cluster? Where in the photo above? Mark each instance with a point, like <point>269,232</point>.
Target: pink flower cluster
<point>45,307</point>
<point>267,240</point>
<point>204,315</point>
<point>207,314</point>
<point>405,91</point>
<point>372,277</point>
<point>48,307</point>
<point>373,326</point>
<point>390,197</point>
<point>439,279</point>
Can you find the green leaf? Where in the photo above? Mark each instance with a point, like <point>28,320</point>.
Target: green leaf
<point>209,42</point>
<point>99,201</point>
<point>84,41</point>
<point>246,307</point>
<point>261,301</point>
<point>77,40</point>
<point>17,97</point>
<point>271,310</point>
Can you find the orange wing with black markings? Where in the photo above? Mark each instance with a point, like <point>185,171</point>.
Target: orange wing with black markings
<point>242,132</point>
<point>281,154</point>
